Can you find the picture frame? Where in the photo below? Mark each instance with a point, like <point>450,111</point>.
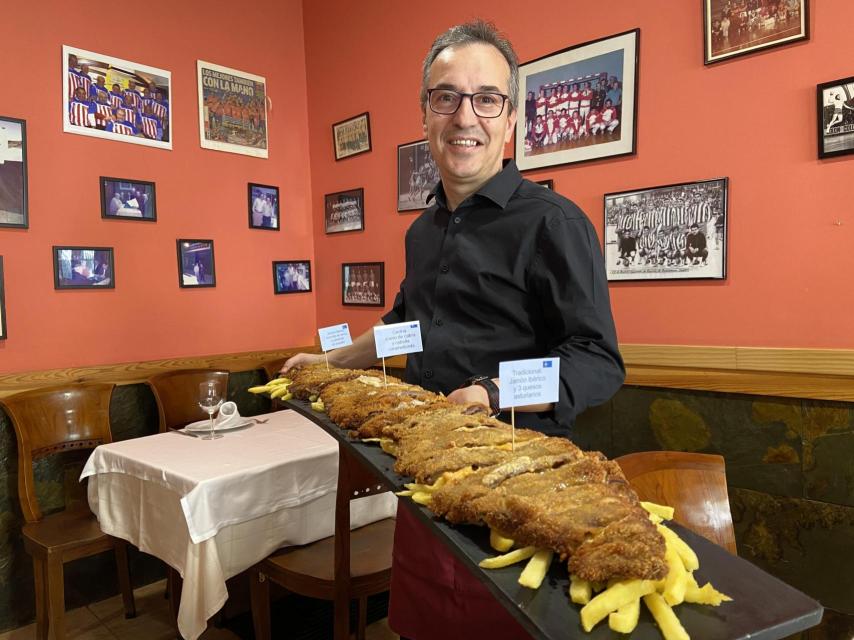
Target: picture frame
<point>579,104</point>
<point>670,232</point>
<point>548,184</point>
<point>352,137</point>
<point>291,276</point>
<point>126,199</point>
<point>263,207</point>
<point>115,99</point>
<point>83,268</point>
<point>835,121</point>
<point>729,32</point>
<point>344,211</point>
<point>14,203</point>
<point>363,284</point>
<point>3,333</point>
<point>220,90</point>
<point>417,175</point>
<point>196,265</point>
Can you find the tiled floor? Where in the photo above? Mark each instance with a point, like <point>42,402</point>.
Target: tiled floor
<point>105,620</point>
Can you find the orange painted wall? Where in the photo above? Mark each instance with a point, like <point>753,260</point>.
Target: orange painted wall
<point>200,193</point>
<point>752,118</point>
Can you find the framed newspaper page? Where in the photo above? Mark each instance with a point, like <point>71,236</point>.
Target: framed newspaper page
<point>232,110</point>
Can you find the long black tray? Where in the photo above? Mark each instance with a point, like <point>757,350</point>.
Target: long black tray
<point>763,607</point>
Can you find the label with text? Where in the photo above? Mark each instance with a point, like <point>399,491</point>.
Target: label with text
<point>395,339</point>
<point>335,337</point>
<point>526,382</point>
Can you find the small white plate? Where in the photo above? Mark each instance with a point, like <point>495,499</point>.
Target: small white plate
<point>205,425</point>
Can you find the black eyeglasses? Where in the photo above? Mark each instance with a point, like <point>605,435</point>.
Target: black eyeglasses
<point>484,104</point>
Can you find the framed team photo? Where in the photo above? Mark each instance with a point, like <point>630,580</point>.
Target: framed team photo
<point>548,184</point>
<point>263,207</point>
<point>835,118</point>
<point>344,211</point>
<point>126,199</point>
<point>13,173</point>
<point>673,232</point>
<point>580,103</point>
<point>363,284</point>
<point>417,174</point>
<point>737,28</point>
<point>291,276</point>
<point>232,110</point>
<point>83,268</point>
<point>352,136</point>
<point>2,303</point>
<point>196,266</point>
<point>115,99</point>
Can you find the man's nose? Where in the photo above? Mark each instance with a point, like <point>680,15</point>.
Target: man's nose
<point>465,115</point>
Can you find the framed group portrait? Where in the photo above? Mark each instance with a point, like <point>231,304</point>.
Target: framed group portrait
<point>737,27</point>
<point>263,207</point>
<point>2,303</point>
<point>352,136</point>
<point>13,173</point>
<point>123,198</point>
<point>363,284</point>
<point>291,276</point>
<point>344,211</point>
<point>579,104</point>
<point>417,174</point>
<point>196,267</point>
<point>83,268</point>
<point>835,109</point>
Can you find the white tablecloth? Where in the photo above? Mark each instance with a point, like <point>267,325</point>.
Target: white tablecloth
<point>213,508</point>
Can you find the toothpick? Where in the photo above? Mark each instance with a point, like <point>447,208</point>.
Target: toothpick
<point>326,355</point>
<point>385,380</point>
<point>513,429</point>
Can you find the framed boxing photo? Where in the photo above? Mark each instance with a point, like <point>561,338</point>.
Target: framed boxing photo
<point>579,104</point>
<point>363,284</point>
<point>13,173</point>
<point>352,136</point>
<point>417,174</point>
<point>835,109</point>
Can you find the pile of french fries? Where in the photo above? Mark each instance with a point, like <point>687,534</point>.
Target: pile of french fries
<point>277,388</point>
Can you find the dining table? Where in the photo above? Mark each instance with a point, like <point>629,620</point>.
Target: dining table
<point>211,509</point>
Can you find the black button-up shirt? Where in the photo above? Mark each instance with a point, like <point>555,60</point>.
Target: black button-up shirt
<point>514,272</point>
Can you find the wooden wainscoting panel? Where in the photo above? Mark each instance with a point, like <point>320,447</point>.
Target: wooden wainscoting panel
<point>839,362</point>
<point>673,355</point>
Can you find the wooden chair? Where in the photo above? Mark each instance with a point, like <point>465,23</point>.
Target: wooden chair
<point>177,395</point>
<point>50,421</point>
<point>348,565</point>
<point>694,484</point>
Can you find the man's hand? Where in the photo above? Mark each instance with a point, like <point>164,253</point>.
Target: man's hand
<point>301,359</point>
<point>467,395</point>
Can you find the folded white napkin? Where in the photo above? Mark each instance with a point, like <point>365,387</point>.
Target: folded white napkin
<point>228,416</point>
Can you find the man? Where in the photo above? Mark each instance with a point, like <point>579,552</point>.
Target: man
<point>116,204</point>
<point>696,248</point>
<point>80,272</point>
<point>122,124</point>
<point>78,78</point>
<point>81,112</point>
<point>258,209</point>
<point>98,91</point>
<point>117,99</point>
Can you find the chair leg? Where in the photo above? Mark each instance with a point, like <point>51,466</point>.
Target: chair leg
<point>362,621</point>
<point>174,585</point>
<point>341,615</point>
<point>55,597</point>
<point>39,578</point>
<point>259,589</point>
<point>123,565</point>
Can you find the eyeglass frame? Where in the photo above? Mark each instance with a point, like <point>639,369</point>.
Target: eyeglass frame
<point>470,96</point>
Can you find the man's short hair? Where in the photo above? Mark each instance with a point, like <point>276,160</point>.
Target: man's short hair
<point>476,31</point>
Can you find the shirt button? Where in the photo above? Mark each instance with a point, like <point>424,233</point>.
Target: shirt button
<point>428,373</point>
<point>439,322</point>
<point>458,219</point>
<point>444,268</point>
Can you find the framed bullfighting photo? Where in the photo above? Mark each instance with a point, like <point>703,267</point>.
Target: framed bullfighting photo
<point>835,118</point>
<point>673,232</point>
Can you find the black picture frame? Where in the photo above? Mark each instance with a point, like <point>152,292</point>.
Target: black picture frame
<point>362,293</point>
<point>3,333</point>
<point>116,187</point>
<point>280,279</point>
<point>352,137</point>
<point>97,267</point>
<point>548,183</point>
<point>645,240</point>
<point>14,213</point>
<point>349,205</point>
<point>187,246</point>
<point>256,217</point>
<point>417,174</point>
<point>835,113</point>
<point>579,81</point>
<point>713,31</point>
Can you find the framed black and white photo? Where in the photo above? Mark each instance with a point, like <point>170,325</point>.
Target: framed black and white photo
<point>196,267</point>
<point>363,284</point>
<point>344,211</point>
<point>548,184</point>
<point>835,118</point>
<point>122,198</point>
<point>291,276</point>
<point>83,268</point>
<point>2,303</point>
<point>417,174</point>
<point>352,136</point>
<point>13,173</point>
<point>579,103</point>
<point>263,207</point>
<point>737,28</point>
<point>672,232</point>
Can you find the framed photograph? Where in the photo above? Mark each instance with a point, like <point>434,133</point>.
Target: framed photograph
<point>263,207</point>
<point>83,268</point>
<point>13,173</point>
<point>2,303</point>
<point>736,28</point>
<point>352,136</point>
<point>548,184</point>
<point>122,198</point>
<point>363,284</point>
<point>196,266</point>
<point>344,211</point>
<point>673,232</point>
<point>835,118</point>
<point>111,98</point>
<point>580,103</point>
<point>232,110</point>
<point>291,276</point>
<point>417,174</point>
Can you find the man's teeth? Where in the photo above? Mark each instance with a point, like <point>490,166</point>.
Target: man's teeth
<point>464,143</point>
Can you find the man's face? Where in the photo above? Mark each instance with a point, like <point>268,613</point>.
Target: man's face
<point>468,149</point>
<point>79,93</point>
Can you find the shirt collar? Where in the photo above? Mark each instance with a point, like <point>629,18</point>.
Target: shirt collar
<point>499,188</point>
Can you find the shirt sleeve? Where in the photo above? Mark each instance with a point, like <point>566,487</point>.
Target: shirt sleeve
<point>568,278</point>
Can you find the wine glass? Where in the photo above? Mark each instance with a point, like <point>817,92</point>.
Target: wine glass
<point>210,399</point>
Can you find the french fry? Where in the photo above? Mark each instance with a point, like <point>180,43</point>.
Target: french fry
<point>662,511</point>
<point>655,519</point>
<point>422,497</point>
<point>705,595</point>
<point>614,597</point>
<point>260,389</point>
<point>499,542</point>
<point>404,494</point>
<point>668,623</point>
<point>318,406</point>
<point>625,619</point>
<point>689,558</point>
<point>517,555</point>
<point>580,591</point>
<point>677,578</point>
<point>278,391</point>
<point>279,381</point>
<point>534,573</point>
<point>287,396</point>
